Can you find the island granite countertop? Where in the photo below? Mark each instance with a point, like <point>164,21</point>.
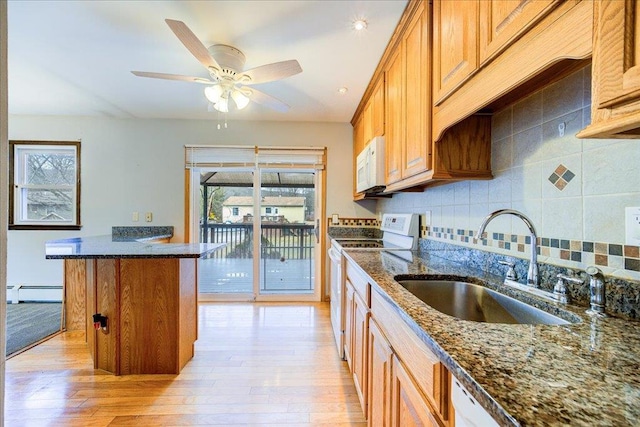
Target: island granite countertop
<point>117,247</point>
<point>584,374</point>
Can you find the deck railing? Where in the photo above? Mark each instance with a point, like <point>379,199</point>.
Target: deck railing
<point>279,241</point>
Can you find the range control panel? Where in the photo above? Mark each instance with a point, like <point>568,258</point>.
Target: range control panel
<point>404,224</point>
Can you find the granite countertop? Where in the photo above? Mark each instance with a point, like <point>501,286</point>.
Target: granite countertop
<point>119,247</point>
<point>584,374</point>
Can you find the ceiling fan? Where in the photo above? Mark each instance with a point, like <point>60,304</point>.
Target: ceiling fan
<point>227,79</point>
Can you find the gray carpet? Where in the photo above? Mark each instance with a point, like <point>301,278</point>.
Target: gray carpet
<point>28,323</point>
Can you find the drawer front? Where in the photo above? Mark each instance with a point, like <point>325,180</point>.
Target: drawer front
<point>360,283</point>
<point>429,374</point>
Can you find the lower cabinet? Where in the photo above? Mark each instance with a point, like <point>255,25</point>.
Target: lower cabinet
<point>360,354</point>
<point>399,381</point>
<point>357,331</point>
<point>408,405</point>
<point>380,360</point>
<point>348,324</point>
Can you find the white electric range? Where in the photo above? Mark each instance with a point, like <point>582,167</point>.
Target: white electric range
<point>400,233</point>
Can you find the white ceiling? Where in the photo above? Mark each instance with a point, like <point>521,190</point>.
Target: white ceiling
<point>75,57</point>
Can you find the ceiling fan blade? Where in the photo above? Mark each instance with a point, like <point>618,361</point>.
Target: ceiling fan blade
<point>178,77</point>
<point>268,100</point>
<point>192,43</point>
<point>271,72</point>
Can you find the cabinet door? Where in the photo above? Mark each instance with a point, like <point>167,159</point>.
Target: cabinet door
<point>394,123</point>
<point>415,50</point>
<point>455,45</point>
<point>380,355</point>
<point>358,145</point>
<point>617,57</point>
<point>409,407</point>
<point>348,324</point>
<point>378,109</point>
<point>503,21</point>
<point>367,122</point>
<point>360,354</point>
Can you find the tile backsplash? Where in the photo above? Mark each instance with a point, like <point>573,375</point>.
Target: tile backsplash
<point>574,190</point>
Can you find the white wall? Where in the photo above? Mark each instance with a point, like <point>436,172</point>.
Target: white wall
<point>138,165</point>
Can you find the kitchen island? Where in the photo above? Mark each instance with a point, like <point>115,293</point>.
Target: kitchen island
<point>145,291</point>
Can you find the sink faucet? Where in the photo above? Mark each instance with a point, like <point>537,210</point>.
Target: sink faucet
<point>532,274</point>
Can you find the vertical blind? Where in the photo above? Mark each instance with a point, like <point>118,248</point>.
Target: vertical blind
<point>206,156</point>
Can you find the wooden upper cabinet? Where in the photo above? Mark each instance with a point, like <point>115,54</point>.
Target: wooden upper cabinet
<point>455,45</point>
<point>503,21</point>
<point>367,123</point>
<point>394,122</point>
<point>619,52</point>
<point>358,145</point>
<point>377,110</point>
<point>373,114</point>
<point>615,103</point>
<point>415,49</point>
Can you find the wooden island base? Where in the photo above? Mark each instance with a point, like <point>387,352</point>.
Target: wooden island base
<point>151,306</point>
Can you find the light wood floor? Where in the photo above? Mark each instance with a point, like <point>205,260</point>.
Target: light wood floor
<point>255,364</point>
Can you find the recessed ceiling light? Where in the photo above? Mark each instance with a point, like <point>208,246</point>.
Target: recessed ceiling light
<point>360,24</point>
<point>342,90</point>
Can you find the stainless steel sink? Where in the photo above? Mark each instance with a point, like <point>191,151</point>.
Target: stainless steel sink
<point>468,301</point>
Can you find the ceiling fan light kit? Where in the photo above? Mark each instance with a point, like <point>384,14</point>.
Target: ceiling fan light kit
<point>225,64</point>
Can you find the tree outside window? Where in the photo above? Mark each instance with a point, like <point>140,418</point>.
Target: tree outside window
<point>45,185</point>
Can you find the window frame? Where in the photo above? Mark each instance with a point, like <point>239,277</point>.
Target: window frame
<point>13,225</point>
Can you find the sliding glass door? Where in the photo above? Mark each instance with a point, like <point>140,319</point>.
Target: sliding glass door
<point>287,232</point>
<point>268,217</point>
<point>226,216</point>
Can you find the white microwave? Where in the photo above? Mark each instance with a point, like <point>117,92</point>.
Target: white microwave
<point>370,167</point>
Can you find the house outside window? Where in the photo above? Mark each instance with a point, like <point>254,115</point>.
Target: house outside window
<point>44,185</point>
<point>236,211</point>
<point>268,210</point>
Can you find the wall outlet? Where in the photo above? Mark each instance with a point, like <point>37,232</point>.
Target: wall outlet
<point>135,217</point>
<point>335,219</point>
<point>427,219</point>
<point>148,217</point>
<point>632,226</point>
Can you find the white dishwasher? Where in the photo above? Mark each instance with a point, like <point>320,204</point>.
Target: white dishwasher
<point>468,412</point>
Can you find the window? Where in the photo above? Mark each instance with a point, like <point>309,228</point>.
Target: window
<point>44,185</point>
<point>268,210</point>
<point>236,211</point>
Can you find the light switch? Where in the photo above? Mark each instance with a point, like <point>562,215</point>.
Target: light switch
<point>135,217</point>
<point>148,217</point>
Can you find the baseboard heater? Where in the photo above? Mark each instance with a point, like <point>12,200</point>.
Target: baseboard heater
<point>34,293</point>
